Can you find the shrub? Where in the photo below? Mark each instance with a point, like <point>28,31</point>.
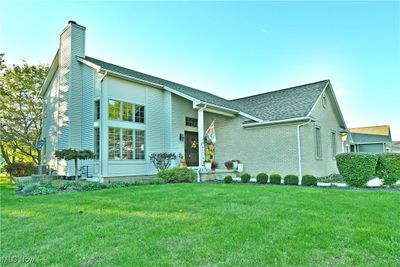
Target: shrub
<point>42,190</point>
<point>19,169</point>
<point>388,167</point>
<point>309,180</point>
<point>356,168</point>
<point>245,177</point>
<point>331,178</point>
<point>162,161</point>
<point>73,185</point>
<point>228,179</point>
<point>262,178</point>
<point>291,179</point>
<point>118,184</point>
<point>93,186</point>
<point>275,179</point>
<point>177,175</point>
<point>30,187</point>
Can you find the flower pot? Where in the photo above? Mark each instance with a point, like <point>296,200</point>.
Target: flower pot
<point>235,165</point>
<point>229,168</point>
<point>183,164</point>
<point>207,165</point>
<point>240,167</point>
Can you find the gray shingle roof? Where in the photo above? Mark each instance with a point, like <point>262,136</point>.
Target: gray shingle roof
<point>283,104</point>
<point>195,93</point>
<point>370,138</point>
<point>287,103</point>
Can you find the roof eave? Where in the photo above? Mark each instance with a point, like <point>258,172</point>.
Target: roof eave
<point>52,70</point>
<point>266,123</point>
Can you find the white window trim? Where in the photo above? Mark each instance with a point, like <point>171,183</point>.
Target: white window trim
<point>316,141</point>
<point>333,132</point>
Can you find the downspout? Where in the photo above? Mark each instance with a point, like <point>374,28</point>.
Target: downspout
<point>299,149</point>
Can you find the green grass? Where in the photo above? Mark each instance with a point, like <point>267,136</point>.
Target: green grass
<point>203,224</point>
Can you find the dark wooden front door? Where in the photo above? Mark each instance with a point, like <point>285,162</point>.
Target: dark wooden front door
<point>192,148</point>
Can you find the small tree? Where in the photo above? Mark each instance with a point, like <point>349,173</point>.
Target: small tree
<point>72,154</point>
<point>162,160</point>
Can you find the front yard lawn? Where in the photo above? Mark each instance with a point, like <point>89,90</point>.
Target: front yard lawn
<point>203,224</point>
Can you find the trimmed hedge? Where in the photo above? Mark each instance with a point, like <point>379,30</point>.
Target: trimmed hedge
<point>356,168</point>
<point>19,169</point>
<point>275,179</point>
<point>291,179</point>
<point>228,179</point>
<point>262,178</point>
<point>309,180</point>
<point>388,167</point>
<point>245,177</point>
<point>184,175</point>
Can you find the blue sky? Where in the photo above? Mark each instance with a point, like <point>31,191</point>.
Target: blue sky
<point>232,49</point>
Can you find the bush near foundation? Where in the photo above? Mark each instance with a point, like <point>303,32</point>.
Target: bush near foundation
<point>275,179</point>
<point>262,178</point>
<point>291,179</point>
<point>309,180</point>
<point>388,167</point>
<point>357,168</point>
<point>228,179</point>
<point>245,177</point>
<point>19,169</point>
<point>184,175</point>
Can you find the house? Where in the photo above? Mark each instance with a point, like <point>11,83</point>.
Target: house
<point>125,115</point>
<point>372,139</point>
<point>394,147</point>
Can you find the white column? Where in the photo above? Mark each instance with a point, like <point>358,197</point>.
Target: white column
<point>200,125</point>
<point>103,159</point>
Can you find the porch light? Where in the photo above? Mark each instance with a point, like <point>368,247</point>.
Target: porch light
<point>181,137</point>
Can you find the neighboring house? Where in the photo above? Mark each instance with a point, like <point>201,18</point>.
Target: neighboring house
<point>373,139</point>
<point>394,146</point>
<point>124,116</point>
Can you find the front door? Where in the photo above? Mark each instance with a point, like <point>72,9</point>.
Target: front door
<point>191,148</point>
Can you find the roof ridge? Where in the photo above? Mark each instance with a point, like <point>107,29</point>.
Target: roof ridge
<point>306,84</point>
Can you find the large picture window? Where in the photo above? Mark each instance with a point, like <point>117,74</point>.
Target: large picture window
<point>96,143</point>
<point>114,110</point>
<point>139,113</point>
<point>139,144</point>
<point>127,110</point>
<point>118,110</point>
<point>126,144</point>
<point>114,144</point>
<point>318,145</point>
<point>97,110</point>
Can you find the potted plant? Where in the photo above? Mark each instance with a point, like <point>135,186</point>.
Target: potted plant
<point>182,162</point>
<point>229,165</point>
<point>235,163</point>
<point>214,165</point>
<point>207,165</point>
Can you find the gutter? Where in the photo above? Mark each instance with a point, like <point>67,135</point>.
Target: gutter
<point>263,123</point>
<point>299,149</point>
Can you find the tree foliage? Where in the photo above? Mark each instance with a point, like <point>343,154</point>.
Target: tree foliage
<point>20,111</point>
<point>72,154</point>
<point>163,160</point>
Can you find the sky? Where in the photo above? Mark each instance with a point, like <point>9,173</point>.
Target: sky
<point>231,49</point>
